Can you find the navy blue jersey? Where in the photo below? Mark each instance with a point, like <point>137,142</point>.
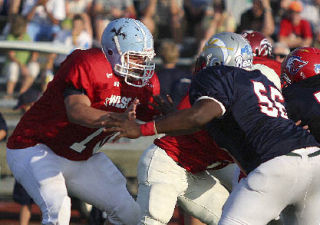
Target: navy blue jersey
<point>168,77</point>
<point>254,127</point>
<point>303,103</point>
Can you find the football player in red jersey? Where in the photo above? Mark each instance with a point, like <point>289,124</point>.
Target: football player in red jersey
<point>171,172</point>
<point>262,50</point>
<point>54,149</point>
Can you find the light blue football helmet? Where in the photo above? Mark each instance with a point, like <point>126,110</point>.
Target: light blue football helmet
<point>124,39</point>
<point>228,49</point>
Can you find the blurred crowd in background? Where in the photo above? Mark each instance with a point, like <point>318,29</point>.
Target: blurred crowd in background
<point>184,25</point>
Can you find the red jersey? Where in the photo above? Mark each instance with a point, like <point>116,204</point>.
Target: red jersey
<point>46,122</point>
<point>194,152</point>
<point>303,29</point>
<point>271,63</point>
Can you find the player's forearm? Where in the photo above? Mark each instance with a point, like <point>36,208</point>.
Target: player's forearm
<point>189,119</point>
<point>86,115</point>
<point>181,121</point>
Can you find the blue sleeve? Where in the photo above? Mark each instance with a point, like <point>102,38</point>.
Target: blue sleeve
<point>213,83</point>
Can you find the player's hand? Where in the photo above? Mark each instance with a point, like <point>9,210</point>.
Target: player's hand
<point>131,110</point>
<point>126,128</point>
<point>164,106</point>
<point>129,114</point>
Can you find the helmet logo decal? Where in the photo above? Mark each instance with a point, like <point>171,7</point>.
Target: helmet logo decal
<point>115,38</point>
<point>216,43</point>
<point>317,68</point>
<point>265,46</point>
<point>246,50</point>
<point>242,60</point>
<point>118,32</point>
<point>294,64</point>
<point>241,63</point>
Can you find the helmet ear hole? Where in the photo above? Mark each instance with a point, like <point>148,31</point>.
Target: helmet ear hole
<point>110,52</point>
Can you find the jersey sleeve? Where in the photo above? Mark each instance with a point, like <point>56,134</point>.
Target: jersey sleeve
<point>214,85</point>
<point>77,72</point>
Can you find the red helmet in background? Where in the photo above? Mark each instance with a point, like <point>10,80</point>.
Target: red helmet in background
<point>300,64</point>
<point>260,45</point>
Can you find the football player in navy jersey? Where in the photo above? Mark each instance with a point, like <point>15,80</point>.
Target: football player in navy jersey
<point>300,72</point>
<point>301,89</point>
<point>244,112</point>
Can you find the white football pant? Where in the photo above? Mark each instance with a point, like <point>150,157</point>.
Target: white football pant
<point>163,183</point>
<point>48,178</point>
<point>285,180</point>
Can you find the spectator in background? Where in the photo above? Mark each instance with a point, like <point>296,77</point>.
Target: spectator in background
<point>295,31</point>
<point>169,74</point>
<point>74,7</point>
<point>78,37</point>
<point>258,18</point>
<point>311,12</point>
<point>4,12</point>
<point>104,11</point>
<point>20,195</point>
<point>82,7</point>
<point>237,7</point>
<point>44,17</point>
<point>20,62</point>
<point>163,18</point>
<point>198,17</point>
<point>3,128</point>
<point>279,11</point>
<point>280,51</point>
<point>223,21</point>
<point>9,9</point>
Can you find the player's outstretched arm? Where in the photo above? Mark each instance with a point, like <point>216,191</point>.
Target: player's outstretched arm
<point>79,111</point>
<point>189,120</point>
